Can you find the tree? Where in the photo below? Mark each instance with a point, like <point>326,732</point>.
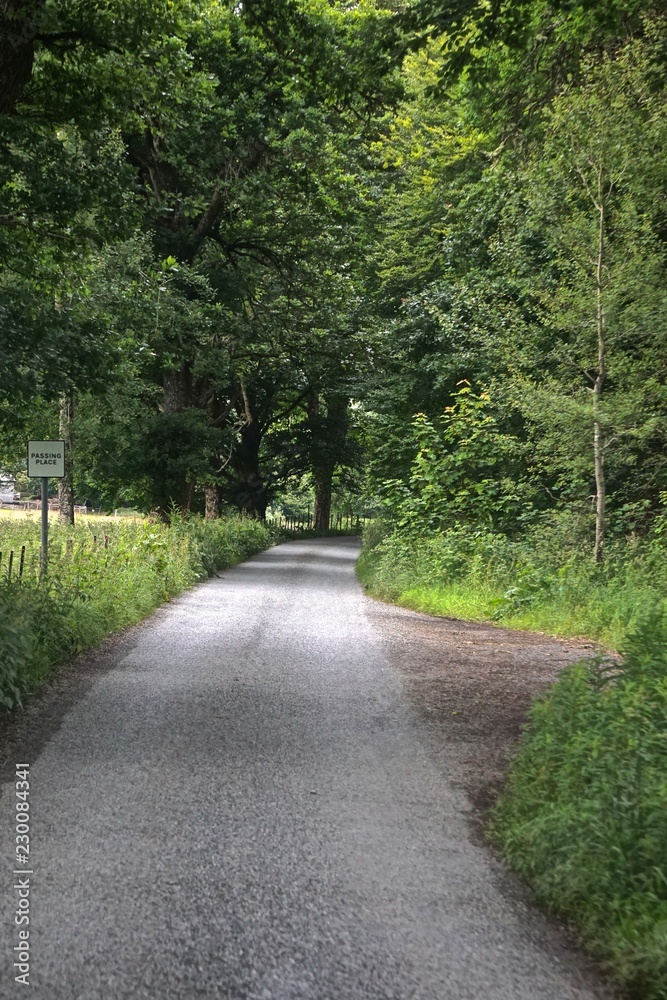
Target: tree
<point>589,188</point>
<point>465,472</point>
<point>274,175</point>
<point>71,75</point>
<point>231,134</point>
<point>525,252</point>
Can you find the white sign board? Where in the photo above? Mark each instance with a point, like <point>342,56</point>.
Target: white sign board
<point>46,458</point>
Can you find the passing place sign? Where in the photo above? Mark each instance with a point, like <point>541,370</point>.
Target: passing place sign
<point>46,458</point>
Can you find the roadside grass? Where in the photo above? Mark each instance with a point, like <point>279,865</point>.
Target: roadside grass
<point>583,816</point>
<point>103,576</point>
<point>448,601</point>
<point>539,584</point>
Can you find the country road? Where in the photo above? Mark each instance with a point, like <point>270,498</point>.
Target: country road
<point>239,800</point>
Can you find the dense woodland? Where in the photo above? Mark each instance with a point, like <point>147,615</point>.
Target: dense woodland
<point>250,248</point>
<point>187,191</point>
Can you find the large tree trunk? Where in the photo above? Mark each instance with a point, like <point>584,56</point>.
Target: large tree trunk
<point>251,492</point>
<point>18,28</point>
<point>334,429</point>
<point>212,502</point>
<point>176,389</point>
<point>598,444</point>
<point>322,505</point>
<point>66,484</point>
<point>218,411</point>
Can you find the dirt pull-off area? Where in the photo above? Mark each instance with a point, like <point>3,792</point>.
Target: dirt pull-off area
<point>473,684</point>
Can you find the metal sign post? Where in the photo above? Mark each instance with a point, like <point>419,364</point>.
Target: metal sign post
<point>46,460</point>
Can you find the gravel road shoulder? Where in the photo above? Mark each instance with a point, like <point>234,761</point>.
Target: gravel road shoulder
<point>473,683</point>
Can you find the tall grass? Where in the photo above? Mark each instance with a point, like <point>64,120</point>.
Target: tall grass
<point>102,577</point>
<point>540,582</point>
<point>584,814</point>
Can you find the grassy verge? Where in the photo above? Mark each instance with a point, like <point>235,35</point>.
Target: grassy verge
<point>103,576</point>
<point>583,817</point>
<point>539,583</point>
<point>584,814</point>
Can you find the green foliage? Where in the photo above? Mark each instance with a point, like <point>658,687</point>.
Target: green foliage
<point>17,629</point>
<point>180,193</point>
<point>583,817</point>
<point>462,472</point>
<point>543,580</point>
<point>584,814</point>
<point>487,260</point>
<point>90,566</point>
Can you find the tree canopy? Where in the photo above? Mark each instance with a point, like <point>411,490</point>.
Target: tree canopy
<point>223,225</point>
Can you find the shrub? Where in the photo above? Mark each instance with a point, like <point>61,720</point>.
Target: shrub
<point>584,813</point>
<point>543,580</point>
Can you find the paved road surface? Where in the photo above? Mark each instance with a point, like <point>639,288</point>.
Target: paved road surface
<point>244,805</point>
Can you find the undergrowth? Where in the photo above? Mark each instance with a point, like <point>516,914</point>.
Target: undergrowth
<point>102,577</point>
<point>541,582</point>
<point>584,814</point>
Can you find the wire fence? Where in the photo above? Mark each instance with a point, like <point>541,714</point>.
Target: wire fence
<point>37,505</point>
<point>354,523</point>
<point>8,565</point>
<point>24,563</point>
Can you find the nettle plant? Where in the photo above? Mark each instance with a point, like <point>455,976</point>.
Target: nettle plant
<point>464,472</point>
